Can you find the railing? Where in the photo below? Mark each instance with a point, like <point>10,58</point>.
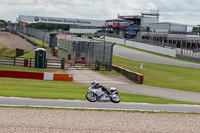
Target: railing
<point>54,63</point>
<point>30,62</point>
<point>15,61</point>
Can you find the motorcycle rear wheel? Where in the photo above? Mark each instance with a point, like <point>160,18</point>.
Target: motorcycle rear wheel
<point>91,96</point>
<point>115,98</point>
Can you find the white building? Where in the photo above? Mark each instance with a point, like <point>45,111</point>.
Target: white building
<point>171,28</point>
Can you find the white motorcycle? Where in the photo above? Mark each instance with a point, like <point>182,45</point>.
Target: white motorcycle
<point>99,95</point>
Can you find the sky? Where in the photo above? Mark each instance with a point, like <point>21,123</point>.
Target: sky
<point>178,11</point>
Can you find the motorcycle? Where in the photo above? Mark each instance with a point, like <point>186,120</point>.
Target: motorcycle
<point>99,95</point>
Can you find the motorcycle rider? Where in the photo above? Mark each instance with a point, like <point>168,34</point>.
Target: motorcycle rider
<point>96,85</point>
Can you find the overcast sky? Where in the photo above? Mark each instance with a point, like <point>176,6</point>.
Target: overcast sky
<point>179,11</point>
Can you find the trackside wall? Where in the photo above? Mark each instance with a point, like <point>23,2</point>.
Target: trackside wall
<point>36,75</point>
<point>133,76</point>
<point>147,47</point>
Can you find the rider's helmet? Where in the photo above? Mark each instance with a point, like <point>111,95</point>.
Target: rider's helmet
<point>94,82</point>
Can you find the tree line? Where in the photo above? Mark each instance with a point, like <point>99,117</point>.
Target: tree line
<point>48,26</point>
<point>3,23</point>
<point>196,29</point>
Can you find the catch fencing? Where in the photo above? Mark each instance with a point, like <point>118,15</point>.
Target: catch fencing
<point>96,54</point>
<point>186,46</point>
<point>81,50</point>
<point>39,34</point>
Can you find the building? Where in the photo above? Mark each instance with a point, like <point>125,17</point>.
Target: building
<point>129,26</point>
<point>170,28</point>
<point>144,19</point>
<point>116,26</point>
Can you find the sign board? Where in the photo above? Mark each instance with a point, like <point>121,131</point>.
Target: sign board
<point>24,24</point>
<point>71,21</point>
<point>141,65</point>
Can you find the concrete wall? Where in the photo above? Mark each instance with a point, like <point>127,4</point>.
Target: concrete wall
<point>36,75</point>
<point>147,47</point>
<point>133,76</point>
<point>188,58</point>
<point>83,30</point>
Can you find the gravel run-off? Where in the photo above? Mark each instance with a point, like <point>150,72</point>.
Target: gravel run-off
<point>19,120</point>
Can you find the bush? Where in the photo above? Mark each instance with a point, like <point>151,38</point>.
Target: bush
<point>110,32</point>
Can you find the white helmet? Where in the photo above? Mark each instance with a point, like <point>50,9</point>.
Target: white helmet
<point>94,82</point>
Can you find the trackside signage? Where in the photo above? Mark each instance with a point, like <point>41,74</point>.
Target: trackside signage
<point>82,22</point>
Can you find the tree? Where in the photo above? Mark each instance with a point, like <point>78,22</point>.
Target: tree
<point>3,23</point>
<point>196,29</point>
<point>48,26</point>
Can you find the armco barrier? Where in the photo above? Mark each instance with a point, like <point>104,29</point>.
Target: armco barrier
<point>28,75</point>
<point>36,75</point>
<point>133,76</point>
<point>48,76</point>
<point>62,77</point>
<point>5,73</point>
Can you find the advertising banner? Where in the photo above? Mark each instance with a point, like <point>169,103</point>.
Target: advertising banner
<point>71,21</point>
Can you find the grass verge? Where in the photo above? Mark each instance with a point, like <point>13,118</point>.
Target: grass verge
<point>12,53</point>
<point>39,42</point>
<point>1,46</point>
<point>28,54</point>
<point>42,89</point>
<point>160,75</point>
<point>65,90</point>
<point>9,53</point>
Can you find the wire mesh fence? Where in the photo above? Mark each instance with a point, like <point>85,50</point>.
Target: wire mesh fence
<point>94,53</point>
<point>39,34</point>
<point>186,46</point>
<point>76,50</point>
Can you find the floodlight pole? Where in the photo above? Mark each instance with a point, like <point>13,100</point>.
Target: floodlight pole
<point>104,41</point>
<point>43,40</point>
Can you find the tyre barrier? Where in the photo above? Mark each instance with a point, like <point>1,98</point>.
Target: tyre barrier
<point>36,75</point>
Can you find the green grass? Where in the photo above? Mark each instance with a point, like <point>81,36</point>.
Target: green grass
<point>41,89</point>
<point>64,90</point>
<point>28,54</point>
<point>1,46</point>
<point>39,42</point>
<point>176,58</point>
<point>175,77</point>
<point>127,97</point>
<point>10,53</point>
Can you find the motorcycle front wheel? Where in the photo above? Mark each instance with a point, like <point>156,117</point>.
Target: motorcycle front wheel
<point>115,98</point>
<point>91,96</point>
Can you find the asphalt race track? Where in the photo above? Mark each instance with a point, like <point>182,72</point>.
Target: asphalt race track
<point>146,57</point>
<point>60,103</point>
